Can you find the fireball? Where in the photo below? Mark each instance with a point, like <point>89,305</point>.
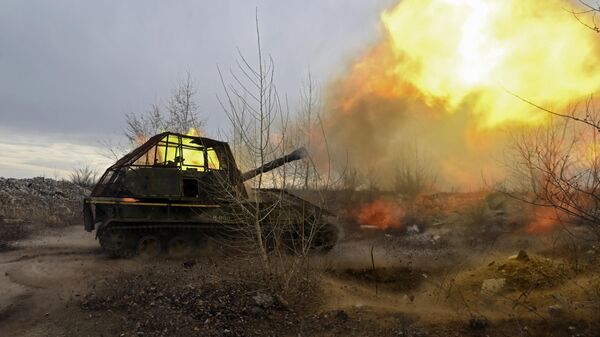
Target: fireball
<point>452,76</point>
<point>482,51</point>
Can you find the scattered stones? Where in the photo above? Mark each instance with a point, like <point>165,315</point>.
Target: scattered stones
<point>187,301</point>
<point>263,300</point>
<point>27,205</point>
<point>39,199</point>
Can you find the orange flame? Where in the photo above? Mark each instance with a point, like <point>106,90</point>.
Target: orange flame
<point>381,213</point>
<point>475,51</point>
<point>544,220</point>
<point>446,76</point>
<point>193,132</point>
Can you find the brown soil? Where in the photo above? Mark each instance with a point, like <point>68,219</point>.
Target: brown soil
<point>59,283</point>
<point>396,279</point>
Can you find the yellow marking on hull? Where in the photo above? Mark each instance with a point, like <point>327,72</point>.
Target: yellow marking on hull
<point>107,202</point>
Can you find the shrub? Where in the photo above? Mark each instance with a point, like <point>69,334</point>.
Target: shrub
<point>84,177</point>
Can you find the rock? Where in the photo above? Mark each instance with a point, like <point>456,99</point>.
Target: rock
<point>256,311</point>
<point>478,323</point>
<point>555,310</point>
<point>414,229</point>
<point>342,316</point>
<point>522,256</point>
<point>189,264</point>
<point>282,303</point>
<point>493,286</point>
<point>435,239</point>
<point>263,300</point>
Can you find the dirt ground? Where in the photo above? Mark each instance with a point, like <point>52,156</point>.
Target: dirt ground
<point>46,274</point>
<point>451,278</point>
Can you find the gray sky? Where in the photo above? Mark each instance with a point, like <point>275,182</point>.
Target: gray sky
<point>70,69</point>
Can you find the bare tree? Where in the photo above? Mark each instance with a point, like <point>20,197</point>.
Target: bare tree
<point>182,108</point>
<point>587,16</point>
<point>558,166</point>
<point>412,177</point>
<point>305,131</point>
<point>351,179</point>
<point>182,115</point>
<point>252,104</point>
<point>140,127</point>
<point>261,131</point>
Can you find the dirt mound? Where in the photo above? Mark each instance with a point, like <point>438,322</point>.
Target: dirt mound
<point>521,272</point>
<point>211,300</point>
<point>27,205</point>
<point>210,309</point>
<point>40,199</point>
<point>189,300</point>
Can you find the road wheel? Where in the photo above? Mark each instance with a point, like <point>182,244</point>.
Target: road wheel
<point>180,246</point>
<point>326,238</point>
<point>149,246</point>
<point>117,243</point>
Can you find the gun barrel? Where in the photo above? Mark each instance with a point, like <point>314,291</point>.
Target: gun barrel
<point>293,156</point>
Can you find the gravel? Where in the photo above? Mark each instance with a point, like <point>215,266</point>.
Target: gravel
<point>40,199</point>
<point>33,204</point>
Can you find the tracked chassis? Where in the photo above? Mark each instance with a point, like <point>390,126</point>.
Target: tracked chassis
<point>175,192</point>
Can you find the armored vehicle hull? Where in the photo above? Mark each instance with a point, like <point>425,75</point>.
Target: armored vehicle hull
<point>175,191</point>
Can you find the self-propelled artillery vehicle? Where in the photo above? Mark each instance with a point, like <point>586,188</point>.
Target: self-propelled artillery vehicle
<point>175,191</point>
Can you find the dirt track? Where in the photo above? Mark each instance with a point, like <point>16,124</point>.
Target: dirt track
<point>47,273</point>
<point>433,285</point>
<point>44,277</point>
